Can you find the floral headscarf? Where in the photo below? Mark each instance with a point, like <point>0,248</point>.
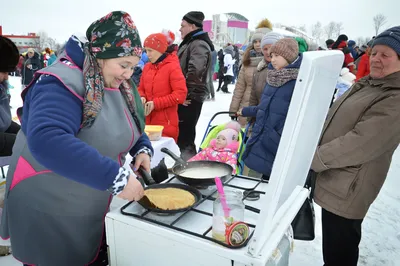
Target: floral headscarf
<point>112,36</point>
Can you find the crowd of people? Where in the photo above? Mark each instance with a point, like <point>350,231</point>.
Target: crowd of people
<point>87,109</point>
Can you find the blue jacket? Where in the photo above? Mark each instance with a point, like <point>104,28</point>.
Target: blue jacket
<point>143,60</point>
<point>351,44</point>
<point>270,114</point>
<point>48,126</point>
<point>51,60</point>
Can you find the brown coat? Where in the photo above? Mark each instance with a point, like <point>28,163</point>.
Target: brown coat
<point>241,94</point>
<point>360,135</point>
<point>259,82</point>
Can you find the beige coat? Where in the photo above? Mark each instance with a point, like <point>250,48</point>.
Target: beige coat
<point>241,94</point>
<point>360,135</point>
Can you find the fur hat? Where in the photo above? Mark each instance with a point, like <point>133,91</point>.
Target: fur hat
<point>47,50</point>
<point>195,17</point>
<point>264,27</point>
<point>170,36</point>
<point>156,41</point>
<point>287,48</point>
<point>271,38</point>
<point>9,55</point>
<point>390,37</point>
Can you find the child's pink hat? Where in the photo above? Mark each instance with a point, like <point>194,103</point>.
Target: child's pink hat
<point>231,135</point>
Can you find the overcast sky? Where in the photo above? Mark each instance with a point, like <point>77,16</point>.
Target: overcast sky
<point>60,19</point>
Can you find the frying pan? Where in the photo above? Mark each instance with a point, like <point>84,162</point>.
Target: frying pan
<point>181,166</point>
<point>146,179</point>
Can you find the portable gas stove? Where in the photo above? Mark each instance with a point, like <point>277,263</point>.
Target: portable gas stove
<point>197,220</point>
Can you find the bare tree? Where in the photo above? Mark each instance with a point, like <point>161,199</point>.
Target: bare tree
<point>41,42</point>
<point>316,30</point>
<point>379,21</point>
<point>45,41</point>
<point>303,28</point>
<point>330,30</point>
<point>360,41</point>
<point>51,43</point>
<point>339,28</point>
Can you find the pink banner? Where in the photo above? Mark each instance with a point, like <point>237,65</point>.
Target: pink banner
<point>207,25</point>
<point>238,24</point>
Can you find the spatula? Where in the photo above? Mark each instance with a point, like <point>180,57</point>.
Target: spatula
<point>145,179</point>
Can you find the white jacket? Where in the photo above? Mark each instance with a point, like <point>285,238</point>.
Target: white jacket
<point>229,62</point>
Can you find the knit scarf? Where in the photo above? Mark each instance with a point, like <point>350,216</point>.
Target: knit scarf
<point>278,78</point>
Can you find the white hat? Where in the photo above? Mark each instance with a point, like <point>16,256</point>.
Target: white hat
<point>346,75</point>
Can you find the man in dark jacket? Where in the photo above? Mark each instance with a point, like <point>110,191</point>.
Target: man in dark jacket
<point>31,65</point>
<point>195,58</point>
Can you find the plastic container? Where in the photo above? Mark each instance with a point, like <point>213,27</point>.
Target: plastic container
<point>153,132</point>
<point>221,224</point>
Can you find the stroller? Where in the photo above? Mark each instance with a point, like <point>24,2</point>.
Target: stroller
<point>212,131</point>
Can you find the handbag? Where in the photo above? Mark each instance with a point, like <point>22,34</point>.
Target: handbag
<point>304,223</point>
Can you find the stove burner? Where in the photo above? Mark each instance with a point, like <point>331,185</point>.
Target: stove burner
<point>163,214</point>
<point>251,195</point>
<point>201,187</point>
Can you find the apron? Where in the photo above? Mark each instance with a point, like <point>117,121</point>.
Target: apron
<point>53,220</point>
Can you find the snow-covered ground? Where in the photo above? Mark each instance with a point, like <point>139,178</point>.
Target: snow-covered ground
<point>380,243</point>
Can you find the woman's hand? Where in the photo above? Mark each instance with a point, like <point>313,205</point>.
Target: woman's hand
<point>187,102</point>
<point>142,159</point>
<point>239,113</point>
<point>143,100</point>
<point>133,191</point>
<point>148,108</point>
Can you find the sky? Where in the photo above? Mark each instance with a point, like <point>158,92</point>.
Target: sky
<point>74,16</point>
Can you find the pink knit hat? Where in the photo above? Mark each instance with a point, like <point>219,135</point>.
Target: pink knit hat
<point>231,135</point>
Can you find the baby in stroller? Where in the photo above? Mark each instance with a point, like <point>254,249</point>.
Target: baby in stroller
<point>223,148</point>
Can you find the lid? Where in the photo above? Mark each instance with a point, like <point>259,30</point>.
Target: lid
<point>237,233</point>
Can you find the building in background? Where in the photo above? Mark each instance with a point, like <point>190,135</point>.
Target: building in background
<point>227,28</point>
<point>23,42</point>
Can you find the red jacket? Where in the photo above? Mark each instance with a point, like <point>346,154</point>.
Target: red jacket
<point>348,58</point>
<point>363,67</point>
<point>164,84</point>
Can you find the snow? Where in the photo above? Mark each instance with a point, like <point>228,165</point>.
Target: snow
<point>380,243</point>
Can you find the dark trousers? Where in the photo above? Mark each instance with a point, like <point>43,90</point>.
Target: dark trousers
<point>7,139</point>
<point>220,80</point>
<point>340,239</point>
<point>227,81</point>
<point>188,117</point>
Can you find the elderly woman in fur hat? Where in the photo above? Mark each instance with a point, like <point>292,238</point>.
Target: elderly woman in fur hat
<point>250,60</point>
<point>79,120</point>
